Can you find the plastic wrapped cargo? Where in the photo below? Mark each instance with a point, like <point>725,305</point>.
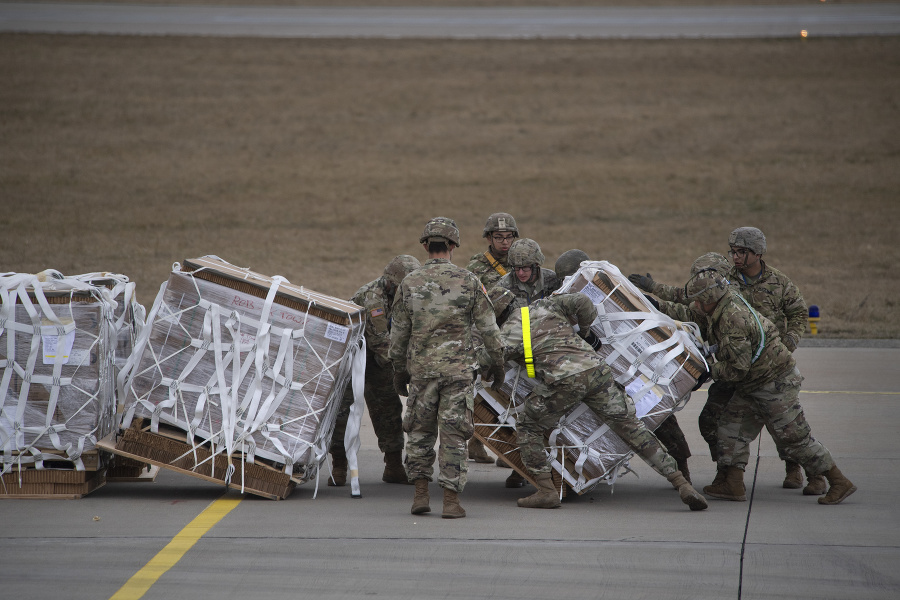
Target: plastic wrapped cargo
<point>247,366</point>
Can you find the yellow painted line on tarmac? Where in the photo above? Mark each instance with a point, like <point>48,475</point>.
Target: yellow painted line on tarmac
<point>169,556</point>
<point>852,393</point>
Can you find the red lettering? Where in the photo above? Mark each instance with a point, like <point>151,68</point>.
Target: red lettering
<point>243,303</point>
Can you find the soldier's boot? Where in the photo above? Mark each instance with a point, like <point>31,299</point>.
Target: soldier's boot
<point>688,494</point>
<point>452,509</point>
<point>793,476</point>
<point>478,453</point>
<point>394,472</point>
<point>515,480</point>
<point>719,479</point>
<point>815,486</point>
<point>502,463</point>
<point>731,488</point>
<point>420,500</point>
<point>841,487</point>
<point>546,495</point>
<point>338,470</point>
<point>685,472</point>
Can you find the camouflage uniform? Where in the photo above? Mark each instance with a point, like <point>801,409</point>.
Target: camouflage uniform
<point>569,371</point>
<point>766,389</point>
<point>385,408</point>
<point>486,271</point>
<point>431,339</point>
<point>546,283</point>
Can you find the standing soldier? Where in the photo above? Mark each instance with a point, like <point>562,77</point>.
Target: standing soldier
<point>385,408</point>
<point>489,266</point>
<point>527,280</point>
<point>432,352</point>
<point>752,358</point>
<point>568,370</point>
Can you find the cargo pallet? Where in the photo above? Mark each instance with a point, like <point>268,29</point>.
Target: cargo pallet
<point>57,480</point>
<point>168,449</point>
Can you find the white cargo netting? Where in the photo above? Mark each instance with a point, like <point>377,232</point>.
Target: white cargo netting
<point>246,365</point>
<point>57,347</point>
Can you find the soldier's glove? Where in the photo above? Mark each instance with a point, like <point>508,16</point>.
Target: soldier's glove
<point>652,301</point>
<point>644,282</point>
<point>401,380</point>
<point>703,379</point>
<point>592,339</point>
<point>497,375</point>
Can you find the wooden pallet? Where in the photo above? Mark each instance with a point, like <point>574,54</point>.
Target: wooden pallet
<point>59,484</point>
<point>164,451</point>
<point>503,442</point>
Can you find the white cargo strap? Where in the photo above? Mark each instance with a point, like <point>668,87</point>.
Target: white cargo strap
<point>351,435</point>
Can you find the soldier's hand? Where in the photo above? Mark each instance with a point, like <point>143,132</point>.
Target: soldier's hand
<point>401,380</point>
<point>791,342</point>
<point>652,301</point>
<point>644,282</point>
<point>592,339</point>
<point>497,375</point>
<point>703,379</point>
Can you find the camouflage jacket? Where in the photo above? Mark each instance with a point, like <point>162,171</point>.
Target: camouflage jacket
<point>431,328</point>
<point>485,271</point>
<point>526,293</point>
<point>377,307</point>
<point>671,293</point>
<point>734,329</point>
<point>558,351</point>
<point>776,298</point>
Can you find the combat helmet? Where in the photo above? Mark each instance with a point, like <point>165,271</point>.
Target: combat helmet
<point>400,267</point>
<point>500,222</point>
<point>503,301</point>
<point>711,260</point>
<point>440,229</point>
<point>525,252</point>
<point>569,262</point>
<point>748,237</point>
<point>706,287</point>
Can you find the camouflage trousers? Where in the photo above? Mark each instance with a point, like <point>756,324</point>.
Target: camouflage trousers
<point>441,406</point>
<point>671,436</point>
<point>775,405</point>
<point>383,404</point>
<point>546,404</point>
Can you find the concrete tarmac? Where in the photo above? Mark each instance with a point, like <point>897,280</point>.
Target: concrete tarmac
<point>816,19</point>
<point>632,540</point>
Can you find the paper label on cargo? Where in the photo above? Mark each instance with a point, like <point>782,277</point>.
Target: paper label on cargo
<point>337,333</point>
<point>645,404</point>
<point>594,293</point>
<point>53,344</point>
<point>79,357</point>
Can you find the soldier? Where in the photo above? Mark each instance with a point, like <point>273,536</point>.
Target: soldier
<point>568,370</point>
<point>385,408</point>
<point>432,352</point>
<point>568,263</point>
<point>489,266</point>
<point>526,279</point>
<point>752,358</point>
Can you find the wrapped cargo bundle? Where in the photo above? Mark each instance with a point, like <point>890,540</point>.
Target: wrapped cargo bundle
<point>247,366</point>
<point>656,359</point>
<point>56,391</point>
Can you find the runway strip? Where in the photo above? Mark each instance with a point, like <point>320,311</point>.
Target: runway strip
<point>821,19</point>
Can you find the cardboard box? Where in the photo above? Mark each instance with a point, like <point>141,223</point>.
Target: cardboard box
<point>249,367</point>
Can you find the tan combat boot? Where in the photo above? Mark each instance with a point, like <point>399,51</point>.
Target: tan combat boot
<point>719,479</point>
<point>393,468</point>
<point>688,494</point>
<point>338,470</point>
<point>841,487</point>
<point>793,476</point>
<point>515,480</point>
<point>546,495</point>
<point>478,453</point>
<point>815,486</point>
<point>452,509</point>
<point>730,489</point>
<point>421,499</point>
<point>502,463</point>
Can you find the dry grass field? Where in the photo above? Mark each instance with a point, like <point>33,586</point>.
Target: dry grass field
<point>320,160</point>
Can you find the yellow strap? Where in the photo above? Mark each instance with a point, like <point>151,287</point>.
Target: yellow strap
<point>494,263</point>
<point>526,340</point>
